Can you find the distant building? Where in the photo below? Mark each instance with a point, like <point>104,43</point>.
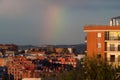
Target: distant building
<point>80,56</point>
<point>33,63</point>
<point>59,50</point>
<point>9,47</point>
<point>8,50</point>
<point>31,79</point>
<point>20,68</point>
<point>64,59</point>
<point>2,62</point>
<point>70,50</point>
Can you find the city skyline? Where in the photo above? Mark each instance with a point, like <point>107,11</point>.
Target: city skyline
<point>39,22</point>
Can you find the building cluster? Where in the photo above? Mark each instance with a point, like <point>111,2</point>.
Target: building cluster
<point>19,68</point>
<point>8,50</point>
<point>32,63</point>
<point>64,59</point>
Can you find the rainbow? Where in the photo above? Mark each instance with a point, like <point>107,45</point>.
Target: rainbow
<point>54,20</point>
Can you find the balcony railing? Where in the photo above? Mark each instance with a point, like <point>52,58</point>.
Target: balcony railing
<point>112,49</point>
<point>112,38</point>
<point>113,59</point>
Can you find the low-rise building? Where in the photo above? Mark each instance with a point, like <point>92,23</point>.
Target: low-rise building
<point>31,79</point>
<point>3,62</point>
<point>20,68</point>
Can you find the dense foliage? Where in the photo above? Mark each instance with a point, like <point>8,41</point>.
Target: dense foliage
<point>97,69</point>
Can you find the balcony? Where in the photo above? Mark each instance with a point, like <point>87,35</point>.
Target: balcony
<point>112,38</point>
<point>112,49</point>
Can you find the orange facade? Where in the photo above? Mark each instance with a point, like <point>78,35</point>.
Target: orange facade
<point>95,38</point>
<point>2,61</point>
<point>20,67</point>
<point>92,44</point>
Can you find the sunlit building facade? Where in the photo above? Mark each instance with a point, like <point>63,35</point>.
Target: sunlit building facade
<point>103,41</point>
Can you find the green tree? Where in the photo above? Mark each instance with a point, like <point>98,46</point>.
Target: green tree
<point>97,69</point>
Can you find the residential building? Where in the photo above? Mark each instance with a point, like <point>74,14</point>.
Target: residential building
<point>9,47</point>
<point>8,50</point>
<point>20,68</point>
<point>2,62</point>
<point>64,59</point>
<point>104,41</point>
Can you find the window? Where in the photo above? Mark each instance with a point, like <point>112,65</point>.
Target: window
<point>118,47</point>
<point>119,36</point>
<point>112,36</point>
<point>119,58</point>
<point>112,58</point>
<point>112,47</point>
<point>106,35</point>
<point>98,55</point>
<point>99,45</point>
<point>99,35</point>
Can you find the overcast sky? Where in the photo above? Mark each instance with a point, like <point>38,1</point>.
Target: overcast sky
<point>40,22</point>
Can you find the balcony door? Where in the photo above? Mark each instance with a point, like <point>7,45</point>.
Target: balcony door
<point>112,58</point>
<point>112,36</point>
<point>112,47</point>
<point>119,58</point>
<point>119,36</point>
<point>118,47</point>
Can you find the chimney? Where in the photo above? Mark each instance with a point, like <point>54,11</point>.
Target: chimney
<point>111,22</point>
<point>114,22</point>
<point>117,23</point>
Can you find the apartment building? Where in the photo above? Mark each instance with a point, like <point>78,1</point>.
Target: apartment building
<point>19,68</point>
<point>104,41</point>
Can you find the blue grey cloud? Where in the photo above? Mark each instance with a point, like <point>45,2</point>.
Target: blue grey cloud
<point>24,21</point>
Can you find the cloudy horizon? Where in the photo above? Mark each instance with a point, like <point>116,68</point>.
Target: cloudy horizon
<point>38,22</point>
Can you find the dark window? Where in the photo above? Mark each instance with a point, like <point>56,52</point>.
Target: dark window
<point>118,36</point>
<point>112,58</point>
<point>98,56</point>
<point>118,47</point>
<point>106,35</point>
<point>105,56</point>
<point>119,58</point>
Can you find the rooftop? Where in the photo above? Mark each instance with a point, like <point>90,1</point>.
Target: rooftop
<point>101,28</point>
